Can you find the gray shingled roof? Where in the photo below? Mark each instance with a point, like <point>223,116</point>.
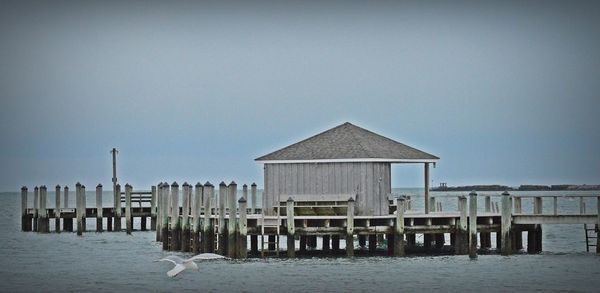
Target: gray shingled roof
<point>347,141</point>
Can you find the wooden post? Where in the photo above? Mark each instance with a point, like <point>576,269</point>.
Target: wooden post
<point>245,193</point>
<point>427,188</point>
<point>518,207</point>
<point>399,228</point>
<point>335,243</point>
<point>24,213</point>
<point>291,229</point>
<point>597,225</point>
<point>44,221</point>
<point>539,209</point>
<point>232,222</point>
<point>208,233</point>
<point>165,213</point>
<point>555,205</point>
<point>117,226</point>
<point>153,208</point>
<point>36,207</point>
<point>185,224</point>
<point>196,212</point>
<point>253,237</point>
<point>462,235</point>
<point>486,237</point>
<point>253,195</point>
<point>79,194</point>
<point>67,222</point>
<point>128,217</point>
<point>473,225</point>
<point>99,208</point>
<point>175,221</point>
<point>221,247</point>
<point>57,208</point>
<point>581,205</point>
<point>432,204</point>
<point>350,228</point>
<point>506,224</point>
<point>242,228</point>
<point>84,210</point>
<point>158,222</point>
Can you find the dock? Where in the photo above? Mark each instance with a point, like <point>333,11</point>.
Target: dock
<point>201,219</point>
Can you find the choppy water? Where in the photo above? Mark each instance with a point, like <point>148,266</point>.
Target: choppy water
<point>117,262</point>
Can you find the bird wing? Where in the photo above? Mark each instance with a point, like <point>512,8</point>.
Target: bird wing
<point>205,256</point>
<point>172,258</point>
<point>176,270</point>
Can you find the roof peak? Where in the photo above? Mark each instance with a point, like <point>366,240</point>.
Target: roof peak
<point>348,142</point>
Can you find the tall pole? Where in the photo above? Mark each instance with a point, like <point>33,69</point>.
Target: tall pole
<point>116,194</point>
<point>114,168</point>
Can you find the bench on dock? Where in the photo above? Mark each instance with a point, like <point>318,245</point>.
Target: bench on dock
<point>316,204</point>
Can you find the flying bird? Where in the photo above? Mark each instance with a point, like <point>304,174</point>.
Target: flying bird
<point>183,264</point>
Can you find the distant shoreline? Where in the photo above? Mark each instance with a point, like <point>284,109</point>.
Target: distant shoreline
<point>558,187</point>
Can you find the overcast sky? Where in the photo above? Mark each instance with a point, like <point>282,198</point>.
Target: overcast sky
<point>503,93</point>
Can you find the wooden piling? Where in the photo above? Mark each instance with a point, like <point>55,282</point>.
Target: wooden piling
<point>117,195</point>
<point>44,221</point>
<point>473,225</point>
<point>372,243</point>
<point>208,233</point>
<point>232,221</point>
<point>80,209</point>
<point>158,226</point>
<point>335,243</point>
<point>222,240</point>
<point>67,222</point>
<point>175,220</point>
<point>57,208</point>
<point>506,222</point>
<point>24,213</point>
<point>185,223</point>
<point>462,234</point>
<point>99,208</point>
<point>253,196</point>
<point>350,228</point>
<point>36,207</point>
<point>153,208</point>
<point>399,229</point>
<point>196,212</point>
<point>597,225</point>
<point>128,217</point>
<point>84,205</point>
<point>486,237</point>
<point>536,240</point>
<point>165,213</point>
<point>242,229</point>
<point>291,229</point>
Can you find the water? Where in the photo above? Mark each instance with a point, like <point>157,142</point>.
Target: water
<point>118,262</point>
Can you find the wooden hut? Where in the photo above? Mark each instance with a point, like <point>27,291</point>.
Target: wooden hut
<point>332,166</point>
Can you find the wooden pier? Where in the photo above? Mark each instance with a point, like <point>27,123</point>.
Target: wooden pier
<point>198,219</point>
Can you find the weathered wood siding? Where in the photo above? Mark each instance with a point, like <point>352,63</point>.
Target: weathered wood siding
<point>370,182</point>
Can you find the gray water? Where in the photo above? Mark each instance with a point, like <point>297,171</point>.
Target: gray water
<point>118,262</point>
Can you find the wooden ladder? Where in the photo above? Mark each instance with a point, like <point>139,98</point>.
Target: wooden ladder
<point>272,224</point>
<point>588,236</point>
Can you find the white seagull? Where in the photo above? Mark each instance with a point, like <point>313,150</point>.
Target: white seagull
<point>183,264</point>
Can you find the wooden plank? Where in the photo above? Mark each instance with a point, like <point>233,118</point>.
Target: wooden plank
<point>208,232</point>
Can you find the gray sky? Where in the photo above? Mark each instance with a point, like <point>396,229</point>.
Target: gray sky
<point>504,93</point>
